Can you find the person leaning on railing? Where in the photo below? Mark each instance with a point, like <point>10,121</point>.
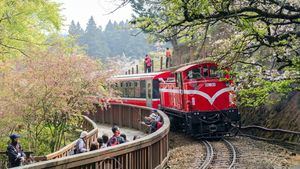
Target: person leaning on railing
<point>152,121</point>
<point>81,143</point>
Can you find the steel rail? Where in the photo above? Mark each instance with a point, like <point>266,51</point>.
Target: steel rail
<point>209,155</point>
<point>233,161</point>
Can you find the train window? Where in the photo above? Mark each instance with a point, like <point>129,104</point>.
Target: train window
<point>137,89</point>
<point>131,92</point>
<point>194,74</point>
<point>143,89</point>
<point>205,71</point>
<point>125,93</point>
<point>213,71</point>
<point>155,86</point>
<point>149,90</point>
<point>178,80</point>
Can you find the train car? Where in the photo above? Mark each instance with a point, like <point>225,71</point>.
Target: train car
<point>140,89</point>
<point>198,100</point>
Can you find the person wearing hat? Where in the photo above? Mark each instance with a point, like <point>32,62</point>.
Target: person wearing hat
<point>81,143</point>
<point>14,152</point>
<point>154,115</point>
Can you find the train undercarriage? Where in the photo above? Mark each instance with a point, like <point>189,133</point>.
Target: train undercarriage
<point>205,125</point>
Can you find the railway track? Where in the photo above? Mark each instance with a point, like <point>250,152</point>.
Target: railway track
<point>219,154</point>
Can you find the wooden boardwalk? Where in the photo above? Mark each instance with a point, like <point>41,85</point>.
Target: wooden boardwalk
<point>130,133</point>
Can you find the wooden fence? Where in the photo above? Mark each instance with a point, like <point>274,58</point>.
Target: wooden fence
<point>87,125</point>
<point>149,152</point>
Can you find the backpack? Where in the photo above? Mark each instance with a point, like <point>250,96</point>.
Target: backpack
<point>115,140</point>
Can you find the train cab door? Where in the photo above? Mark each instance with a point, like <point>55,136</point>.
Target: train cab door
<point>179,95</point>
<point>149,93</point>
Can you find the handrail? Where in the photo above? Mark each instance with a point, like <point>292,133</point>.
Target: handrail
<point>149,152</point>
<point>65,151</point>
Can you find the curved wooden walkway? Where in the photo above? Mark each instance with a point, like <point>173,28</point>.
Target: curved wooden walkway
<point>148,152</point>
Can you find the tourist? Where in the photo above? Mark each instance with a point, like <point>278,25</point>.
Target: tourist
<point>152,123</point>
<point>15,152</point>
<point>116,138</point>
<point>94,146</point>
<point>124,137</point>
<point>168,58</point>
<point>81,143</point>
<point>155,113</point>
<point>148,64</point>
<point>105,141</point>
<point>100,142</point>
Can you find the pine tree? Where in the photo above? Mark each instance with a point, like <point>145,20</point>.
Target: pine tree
<point>72,29</point>
<point>96,46</point>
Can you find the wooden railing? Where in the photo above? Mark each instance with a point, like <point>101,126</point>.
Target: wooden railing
<point>149,152</point>
<point>88,125</point>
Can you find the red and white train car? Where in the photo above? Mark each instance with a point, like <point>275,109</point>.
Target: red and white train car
<point>198,100</point>
<point>139,89</point>
<point>196,97</point>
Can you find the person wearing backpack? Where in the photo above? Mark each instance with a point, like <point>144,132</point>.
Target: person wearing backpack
<point>81,143</point>
<point>116,138</point>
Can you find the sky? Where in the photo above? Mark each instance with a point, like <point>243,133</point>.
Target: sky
<point>81,10</point>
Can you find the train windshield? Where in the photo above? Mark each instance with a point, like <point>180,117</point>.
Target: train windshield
<point>213,71</point>
<point>194,74</point>
<point>205,71</point>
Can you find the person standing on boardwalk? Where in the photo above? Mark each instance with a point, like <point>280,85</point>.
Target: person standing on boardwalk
<point>116,138</point>
<point>168,58</point>
<point>148,63</point>
<point>14,152</point>
<point>81,143</point>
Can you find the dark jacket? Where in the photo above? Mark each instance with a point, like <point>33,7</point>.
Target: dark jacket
<point>115,140</point>
<point>14,153</point>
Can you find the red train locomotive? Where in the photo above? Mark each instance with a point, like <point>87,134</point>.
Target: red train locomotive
<point>195,97</point>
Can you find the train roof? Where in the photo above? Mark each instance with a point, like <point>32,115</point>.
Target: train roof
<point>184,68</point>
<point>187,67</point>
<point>153,75</point>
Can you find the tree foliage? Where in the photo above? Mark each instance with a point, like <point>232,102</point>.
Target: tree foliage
<point>117,39</point>
<point>24,23</point>
<point>46,90</point>
<point>260,39</point>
